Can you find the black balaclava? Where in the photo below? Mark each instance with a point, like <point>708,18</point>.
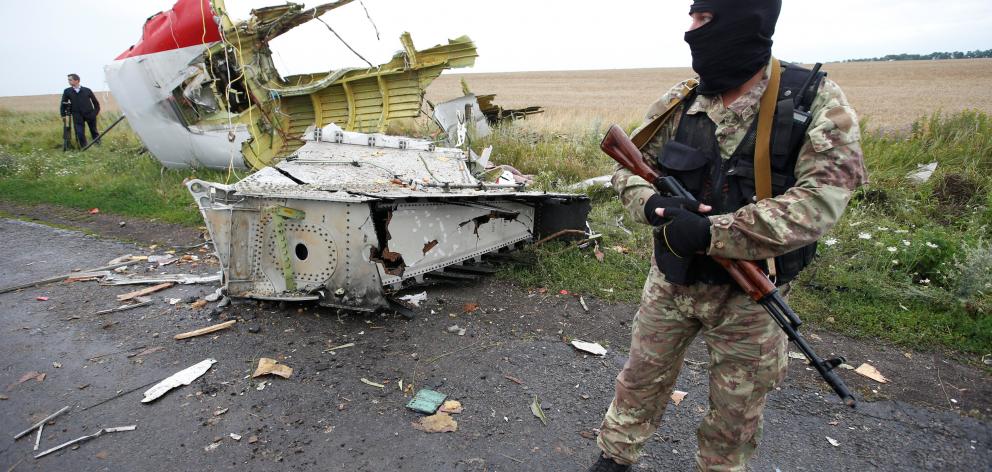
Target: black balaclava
<point>734,45</point>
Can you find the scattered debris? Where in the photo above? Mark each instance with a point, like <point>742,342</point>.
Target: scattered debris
<point>213,296</point>
<point>678,396</point>
<point>211,446</point>
<point>86,438</point>
<point>451,407</point>
<point>582,301</point>
<point>414,299</point>
<point>922,173</point>
<point>426,401</point>
<point>147,351</point>
<point>182,279</point>
<point>252,439</point>
<point>797,355</point>
<point>32,375</point>
<point>142,301</point>
<point>57,365</point>
<point>41,299</point>
<point>343,346</point>
<point>599,254</point>
<point>871,372</point>
<point>601,181</point>
<point>220,411</point>
<point>833,442</point>
<point>846,366</point>
<point>470,307</point>
<point>60,278</point>
<point>207,330</point>
<point>94,211</point>
<point>198,304</point>
<point>4,397</point>
<point>37,439</point>
<point>40,423</point>
<point>454,329</point>
<point>513,379</point>
<point>143,292</point>
<point>438,423</point>
<point>591,348</point>
<point>535,408</point>
<point>987,359</point>
<point>268,366</point>
<point>369,382</point>
<point>587,434</point>
<point>87,276</point>
<point>236,437</point>
<point>261,385</point>
<point>183,377</point>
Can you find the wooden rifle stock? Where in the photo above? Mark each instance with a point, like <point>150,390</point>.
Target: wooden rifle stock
<point>747,274</point>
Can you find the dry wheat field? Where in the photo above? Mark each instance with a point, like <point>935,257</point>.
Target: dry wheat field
<point>891,95</point>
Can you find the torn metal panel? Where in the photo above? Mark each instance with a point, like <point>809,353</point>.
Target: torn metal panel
<point>201,90</point>
<point>363,214</point>
<point>496,114</point>
<point>460,118</point>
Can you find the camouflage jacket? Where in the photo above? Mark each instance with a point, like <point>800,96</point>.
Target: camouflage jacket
<point>829,168</point>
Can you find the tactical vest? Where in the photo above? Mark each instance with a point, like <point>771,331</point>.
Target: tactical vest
<point>693,157</point>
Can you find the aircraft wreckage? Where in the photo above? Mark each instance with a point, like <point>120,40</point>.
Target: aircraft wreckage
<point>201,90</point>
<point>338,212</point>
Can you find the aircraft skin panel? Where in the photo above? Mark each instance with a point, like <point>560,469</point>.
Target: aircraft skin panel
<point>141,86</point>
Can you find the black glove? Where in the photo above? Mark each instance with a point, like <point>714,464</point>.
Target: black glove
<point>657,201</point>
<point>685,232</point>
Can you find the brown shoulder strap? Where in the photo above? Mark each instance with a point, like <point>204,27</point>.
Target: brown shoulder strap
<point>762,144</point>
<point>642,137</point>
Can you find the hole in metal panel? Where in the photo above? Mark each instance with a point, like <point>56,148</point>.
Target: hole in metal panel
<point>301,252</point>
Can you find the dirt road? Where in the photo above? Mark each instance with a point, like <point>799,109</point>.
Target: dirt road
<point>930,417</point>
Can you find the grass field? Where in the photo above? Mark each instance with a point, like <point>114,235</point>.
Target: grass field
<point>911,264</point>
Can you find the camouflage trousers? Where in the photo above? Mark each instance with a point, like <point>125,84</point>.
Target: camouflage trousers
<point>747,360</point>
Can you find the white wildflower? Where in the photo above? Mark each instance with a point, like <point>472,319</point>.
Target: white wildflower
<point>892,249</point>
<point>882,228</point>
<point>932,245</point>
<point>830,241</point>
<point>901,231</point>
<point>925,281</point>
<point>906,242</point>
<point>895,261</point>
<point>864,235</point>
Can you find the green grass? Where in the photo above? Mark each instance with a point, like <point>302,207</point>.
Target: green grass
<point>923,279</point>
<point>115,177</point>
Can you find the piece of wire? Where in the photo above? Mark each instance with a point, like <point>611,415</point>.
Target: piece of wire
<point>345,42</point>
<point>376,28</point>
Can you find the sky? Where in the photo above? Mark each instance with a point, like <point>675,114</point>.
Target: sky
<point>43,40</point>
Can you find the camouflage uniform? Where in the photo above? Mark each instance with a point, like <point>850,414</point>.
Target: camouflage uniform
<point>747,349</point>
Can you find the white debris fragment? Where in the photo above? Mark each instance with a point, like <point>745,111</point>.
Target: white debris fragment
<point>678,396</point>
<point>833,442</point>
<point>796,355</point>
<point>183,377</point>
<point>455,329</point>
<point>236,437</point>
<point>86,438</point>
<point>591,348</point>
<point>871,372</point>
<point>414,299</point>
<point>213,296</point>
<point>602,181</point>
<point>922,173</point>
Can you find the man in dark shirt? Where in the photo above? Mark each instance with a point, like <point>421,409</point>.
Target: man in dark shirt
<point>81,103</point>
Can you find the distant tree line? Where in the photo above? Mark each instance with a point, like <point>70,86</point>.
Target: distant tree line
<point>932,56</point>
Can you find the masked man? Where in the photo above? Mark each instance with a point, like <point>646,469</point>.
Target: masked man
<point>80,103</point>
<point>704,133</point>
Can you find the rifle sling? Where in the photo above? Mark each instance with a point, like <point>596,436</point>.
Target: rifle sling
<point>646,133</point>
<point>762,145</point>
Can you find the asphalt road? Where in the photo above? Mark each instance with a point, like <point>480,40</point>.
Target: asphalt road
<point>325,418</point>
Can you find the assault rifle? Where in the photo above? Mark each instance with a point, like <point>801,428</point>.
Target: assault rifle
<point>747,274</point>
